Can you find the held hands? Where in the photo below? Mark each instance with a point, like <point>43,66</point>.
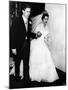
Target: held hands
<point>38,34</point>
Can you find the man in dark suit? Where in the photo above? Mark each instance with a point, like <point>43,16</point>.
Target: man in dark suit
<point>20,41</point>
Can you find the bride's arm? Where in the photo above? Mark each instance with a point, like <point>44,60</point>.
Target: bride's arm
<point>37,32</point>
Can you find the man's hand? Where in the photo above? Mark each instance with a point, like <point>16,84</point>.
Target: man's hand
<point>38,34</point>
<point>14,51</point>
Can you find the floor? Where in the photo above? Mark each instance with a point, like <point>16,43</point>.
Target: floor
<point>20,84</point>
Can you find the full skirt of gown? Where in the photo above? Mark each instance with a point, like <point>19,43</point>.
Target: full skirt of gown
<point>41,66</point>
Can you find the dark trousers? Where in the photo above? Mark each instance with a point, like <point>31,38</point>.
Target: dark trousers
<point>17,67</point>
<point>23,54</point>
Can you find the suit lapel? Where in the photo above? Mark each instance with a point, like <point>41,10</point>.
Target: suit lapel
<point>29,26</point>
<point>23,24</point>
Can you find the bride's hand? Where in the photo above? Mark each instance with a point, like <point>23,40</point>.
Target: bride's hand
<point>47,39</point>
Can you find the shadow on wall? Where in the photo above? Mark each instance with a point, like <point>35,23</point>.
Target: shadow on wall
<point>56,26</point>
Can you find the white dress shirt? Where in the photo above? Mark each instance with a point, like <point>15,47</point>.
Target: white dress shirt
<point>25,22</point>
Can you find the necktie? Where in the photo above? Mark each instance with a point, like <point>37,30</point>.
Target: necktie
<point>26,25</point>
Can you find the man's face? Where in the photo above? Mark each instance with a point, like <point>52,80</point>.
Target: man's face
<point>27,12</point>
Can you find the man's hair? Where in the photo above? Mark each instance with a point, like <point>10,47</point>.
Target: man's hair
<point>26,6</point>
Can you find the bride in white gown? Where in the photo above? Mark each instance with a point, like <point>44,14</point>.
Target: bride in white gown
<point>41,64</point>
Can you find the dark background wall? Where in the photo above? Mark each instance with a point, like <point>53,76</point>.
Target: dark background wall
<point>15,9</point>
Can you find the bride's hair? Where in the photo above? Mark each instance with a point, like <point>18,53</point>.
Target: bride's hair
<point>45,13</point>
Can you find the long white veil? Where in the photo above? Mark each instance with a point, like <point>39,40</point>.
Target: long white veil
<point>36,21</point>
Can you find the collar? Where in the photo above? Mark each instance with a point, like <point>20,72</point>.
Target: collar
<point>25,19</point>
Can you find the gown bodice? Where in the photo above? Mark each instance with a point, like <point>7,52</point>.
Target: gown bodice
<point>43,30</point>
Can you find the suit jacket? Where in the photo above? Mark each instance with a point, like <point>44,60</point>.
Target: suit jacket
<point>18,34</point>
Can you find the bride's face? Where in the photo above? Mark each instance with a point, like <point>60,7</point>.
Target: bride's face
<point>45,19</point>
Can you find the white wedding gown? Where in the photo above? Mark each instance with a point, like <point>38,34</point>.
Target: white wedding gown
<point>41,64</point>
